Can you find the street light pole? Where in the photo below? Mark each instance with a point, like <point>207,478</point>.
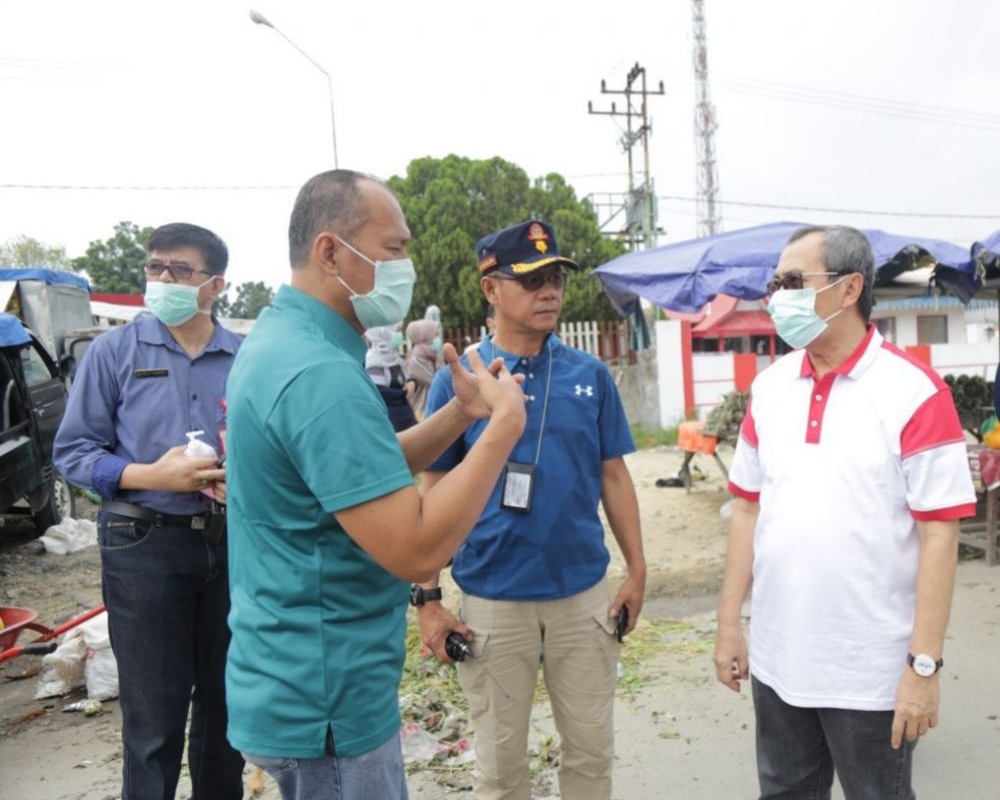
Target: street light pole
<point>260,19</point>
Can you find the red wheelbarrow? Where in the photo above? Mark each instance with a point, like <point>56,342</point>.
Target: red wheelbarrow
<point>16,620</point>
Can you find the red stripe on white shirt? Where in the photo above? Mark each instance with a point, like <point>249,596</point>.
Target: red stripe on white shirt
<point>748,429</point>
<point>933,424</point>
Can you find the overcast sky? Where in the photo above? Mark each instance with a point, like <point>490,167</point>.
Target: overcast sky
<point>866,105</point>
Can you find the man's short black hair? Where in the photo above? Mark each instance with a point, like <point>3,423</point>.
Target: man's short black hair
<point>183,234</point>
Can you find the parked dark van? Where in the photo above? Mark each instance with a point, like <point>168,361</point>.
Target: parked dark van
<point>44,327</point>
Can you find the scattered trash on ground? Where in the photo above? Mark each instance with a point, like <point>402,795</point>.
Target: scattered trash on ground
<point>90,708</point>
<point>69,536</point>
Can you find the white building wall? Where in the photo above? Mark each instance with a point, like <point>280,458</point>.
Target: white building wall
<point>714,376</point>
<point>670,371</point>
<point>965,359</point>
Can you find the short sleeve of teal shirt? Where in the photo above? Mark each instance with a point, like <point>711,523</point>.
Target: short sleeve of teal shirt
<point>340,441</point>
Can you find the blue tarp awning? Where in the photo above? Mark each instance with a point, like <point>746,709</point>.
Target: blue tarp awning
<point>686,275</point>
<point>12,332</point>
<point>47,275</point>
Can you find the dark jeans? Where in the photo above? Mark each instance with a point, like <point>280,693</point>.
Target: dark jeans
<point>799,748</point>
<point>167,594</point>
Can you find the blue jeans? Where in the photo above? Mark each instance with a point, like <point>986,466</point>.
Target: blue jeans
<point>167,594</point>
<point>799,748</point>
<point>375,775</point>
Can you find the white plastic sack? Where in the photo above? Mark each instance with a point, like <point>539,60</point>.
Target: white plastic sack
<point>69,536</point>
<point>101,669</point>
<point>63,670</point>
<point>418,744</point>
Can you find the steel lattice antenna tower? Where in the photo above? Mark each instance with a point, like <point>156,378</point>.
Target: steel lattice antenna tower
<point>705,125</point>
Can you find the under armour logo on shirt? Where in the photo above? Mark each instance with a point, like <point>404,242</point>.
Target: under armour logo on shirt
<point>587,390</point>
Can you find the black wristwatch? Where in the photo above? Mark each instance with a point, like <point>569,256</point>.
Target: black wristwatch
<point>419,595</point>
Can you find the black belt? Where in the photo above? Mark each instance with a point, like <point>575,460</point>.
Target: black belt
<point>194,521</point>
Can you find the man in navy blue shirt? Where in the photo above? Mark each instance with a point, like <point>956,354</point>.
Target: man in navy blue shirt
<point>140,388</point>
<point>532,570</point>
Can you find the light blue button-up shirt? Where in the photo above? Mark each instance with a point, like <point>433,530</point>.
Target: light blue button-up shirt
<point>134,396</point>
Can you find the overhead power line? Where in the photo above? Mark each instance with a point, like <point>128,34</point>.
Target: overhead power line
<point>191,188</point>
<point>848,101</point>
<point>869,212</point>
<point>285,187</point>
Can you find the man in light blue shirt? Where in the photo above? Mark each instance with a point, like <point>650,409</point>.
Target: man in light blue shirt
<point>139,389</point>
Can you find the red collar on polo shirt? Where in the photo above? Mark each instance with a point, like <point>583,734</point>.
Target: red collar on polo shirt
<point>823,386</point>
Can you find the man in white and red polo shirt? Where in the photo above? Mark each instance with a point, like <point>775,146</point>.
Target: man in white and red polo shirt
<point>850,477</point>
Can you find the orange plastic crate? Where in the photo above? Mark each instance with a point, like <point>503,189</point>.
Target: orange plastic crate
<point>691,439</point>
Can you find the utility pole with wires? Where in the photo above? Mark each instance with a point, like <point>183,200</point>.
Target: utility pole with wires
<point>639,203</point>
<point>705,125</point>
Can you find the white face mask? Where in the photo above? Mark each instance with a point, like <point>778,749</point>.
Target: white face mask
<point>389,300</point>
<point>795,317</point>
<point>174,304</point>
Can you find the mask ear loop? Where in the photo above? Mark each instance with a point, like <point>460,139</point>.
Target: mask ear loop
<point>211,278</point>
<point>841,279</point>
<point>360,255</point>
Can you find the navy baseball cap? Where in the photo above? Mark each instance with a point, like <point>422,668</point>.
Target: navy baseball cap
<point>520,249</point>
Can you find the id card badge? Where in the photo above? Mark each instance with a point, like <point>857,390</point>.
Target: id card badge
<point>518,483</point>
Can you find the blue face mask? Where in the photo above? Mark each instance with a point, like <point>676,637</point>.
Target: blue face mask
<point>389,300</point>
<point>794,314</point>
<point>396,340</point>
<point>436,344</point>
<point>174,304</point>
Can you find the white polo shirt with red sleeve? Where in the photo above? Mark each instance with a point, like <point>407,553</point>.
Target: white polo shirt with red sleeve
<point>843,466</point>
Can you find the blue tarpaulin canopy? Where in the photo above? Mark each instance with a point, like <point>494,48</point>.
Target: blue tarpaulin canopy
<point>686,275</point>
<point>47,275</point>
<point>986,255</point>
<point>12,332</point>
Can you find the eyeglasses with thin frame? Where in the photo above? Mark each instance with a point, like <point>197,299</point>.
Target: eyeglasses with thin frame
<point>792,280</point>
<point>179,270</point>
<point>534,281</point>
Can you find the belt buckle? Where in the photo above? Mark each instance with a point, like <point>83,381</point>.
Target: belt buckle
<point>197,522</point>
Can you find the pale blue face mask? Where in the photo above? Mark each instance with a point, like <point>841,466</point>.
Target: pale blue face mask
<point>174,304</point>
<point>389,300</point>
<point>794,314</point>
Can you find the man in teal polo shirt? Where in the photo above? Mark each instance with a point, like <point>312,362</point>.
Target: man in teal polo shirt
<point>326,525</point>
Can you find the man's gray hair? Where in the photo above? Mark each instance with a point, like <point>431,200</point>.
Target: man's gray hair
<point>331,201</point>
<point>846,250</point>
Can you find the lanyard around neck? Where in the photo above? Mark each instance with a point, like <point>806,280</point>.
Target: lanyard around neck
<point>545,402</point>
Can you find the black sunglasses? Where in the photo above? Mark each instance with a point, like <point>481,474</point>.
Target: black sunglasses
<point>791,280</point>
<point>534,281</point>
<point>179,270</point>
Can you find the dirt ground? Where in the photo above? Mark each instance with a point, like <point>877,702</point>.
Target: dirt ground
<point>679,733</point>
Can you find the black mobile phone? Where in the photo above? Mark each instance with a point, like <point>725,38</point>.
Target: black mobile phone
<point>621,623</point>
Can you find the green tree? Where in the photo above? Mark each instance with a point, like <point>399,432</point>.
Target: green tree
<point>251,299</point>
<point>450,203</point>
<point>115,265</point>
<point>27,252</point>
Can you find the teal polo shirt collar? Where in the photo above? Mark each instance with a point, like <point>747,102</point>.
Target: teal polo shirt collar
<point>337,329</point>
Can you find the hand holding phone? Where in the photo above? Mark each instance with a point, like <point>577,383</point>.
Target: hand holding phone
<point>621,623</point>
